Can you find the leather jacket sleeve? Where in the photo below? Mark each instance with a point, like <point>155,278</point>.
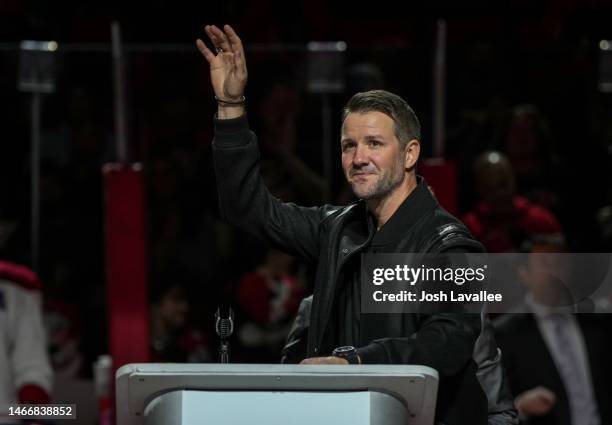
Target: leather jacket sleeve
<point>487,356</point>
<point>245,201</point>
<point>444,341</point>
<point>295,348</point>
<point>492,377</point>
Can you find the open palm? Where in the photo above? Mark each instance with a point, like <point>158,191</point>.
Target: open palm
<point>228,71</point>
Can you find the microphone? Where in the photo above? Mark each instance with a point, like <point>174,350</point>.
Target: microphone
<point>224,326</point>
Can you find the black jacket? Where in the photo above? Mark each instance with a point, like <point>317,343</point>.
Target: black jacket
<point>487,356</point>
<point>328,236</point>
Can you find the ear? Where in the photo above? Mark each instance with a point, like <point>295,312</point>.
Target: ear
<point>411,154</point>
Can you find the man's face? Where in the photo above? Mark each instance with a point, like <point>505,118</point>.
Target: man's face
<point>372,158</point>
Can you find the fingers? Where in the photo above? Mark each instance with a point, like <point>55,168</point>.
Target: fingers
<point>204,50</point>
<point>237,48</point>
<point>233,39</point>
<point>536,401</point>
<point>323,360</point>
<point>214,38</point>
<point>227,39</point>
<point>219,38</point>
<point>546,395</point>
<point>210,34</point>
<point>231,45</point>
<point>313,360</point>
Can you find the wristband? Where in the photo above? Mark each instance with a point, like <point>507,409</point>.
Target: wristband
<point>229,103</point>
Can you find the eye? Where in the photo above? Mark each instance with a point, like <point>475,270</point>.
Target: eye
<point>347,145</point>
<point>375,143</point>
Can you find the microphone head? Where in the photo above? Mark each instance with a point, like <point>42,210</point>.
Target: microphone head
<point>224,322</point>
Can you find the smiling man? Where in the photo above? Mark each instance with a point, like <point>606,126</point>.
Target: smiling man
<point>395,212</point>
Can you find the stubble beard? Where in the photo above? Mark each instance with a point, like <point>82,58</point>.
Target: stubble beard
<point>384,186</point>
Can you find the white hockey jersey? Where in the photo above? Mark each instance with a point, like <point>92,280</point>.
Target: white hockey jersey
<point>23,350</point>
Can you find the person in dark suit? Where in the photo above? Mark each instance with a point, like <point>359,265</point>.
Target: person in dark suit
<point>557,362</point>
<point>542,396</point>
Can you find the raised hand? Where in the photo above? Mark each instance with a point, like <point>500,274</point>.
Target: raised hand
<point>228,71</point>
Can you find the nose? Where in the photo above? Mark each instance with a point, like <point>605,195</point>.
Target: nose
<point>360,157</point>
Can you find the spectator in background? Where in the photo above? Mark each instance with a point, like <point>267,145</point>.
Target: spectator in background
<point>503,220</point>
<point>64,332</point>
<point>287,176</point>
<point>563,377</point>
<point>173,338</point>
<point>25,371</point>
<point>530,152</point>
<point>268,297</point>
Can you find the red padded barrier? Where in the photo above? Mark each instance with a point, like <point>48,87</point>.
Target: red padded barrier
<point>441,175</point>
<point>126,275</point>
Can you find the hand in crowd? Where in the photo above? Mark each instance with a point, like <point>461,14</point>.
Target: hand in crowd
<point>535,402</point>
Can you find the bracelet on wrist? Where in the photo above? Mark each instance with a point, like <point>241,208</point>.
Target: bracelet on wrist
<point>223,102</point>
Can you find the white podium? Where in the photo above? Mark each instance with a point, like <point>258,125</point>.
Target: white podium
<point>264,394</point>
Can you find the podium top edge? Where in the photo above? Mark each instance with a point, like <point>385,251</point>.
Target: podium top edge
<point>271,369</point>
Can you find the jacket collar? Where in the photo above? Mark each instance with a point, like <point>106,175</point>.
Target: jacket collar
<point>415,206</point>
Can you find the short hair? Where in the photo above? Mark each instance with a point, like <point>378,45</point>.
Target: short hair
<point>407,126</point>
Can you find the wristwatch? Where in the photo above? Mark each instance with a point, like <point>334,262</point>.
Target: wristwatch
<point>349,353</point>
